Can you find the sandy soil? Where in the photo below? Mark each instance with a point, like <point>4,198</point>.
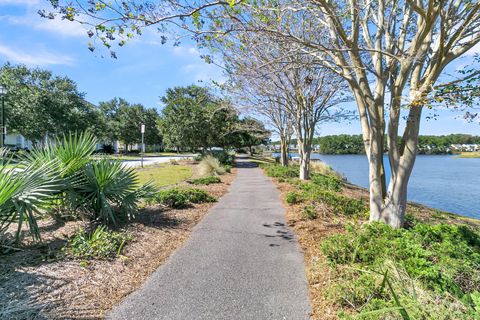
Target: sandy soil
<point>36,285</point>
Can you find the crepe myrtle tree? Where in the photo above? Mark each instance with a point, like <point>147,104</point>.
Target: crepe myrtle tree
<point>302,93</point>
<point>392,54</point>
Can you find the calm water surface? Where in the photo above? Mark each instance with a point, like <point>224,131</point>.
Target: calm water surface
<point>444,182</point>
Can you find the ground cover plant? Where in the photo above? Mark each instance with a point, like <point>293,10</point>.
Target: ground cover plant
<point>357,270</point>
<point>100,243</point>
<point>179,198</point>
<point>205,180</point>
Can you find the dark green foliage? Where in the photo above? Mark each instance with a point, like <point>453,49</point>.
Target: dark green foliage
<point>292,197</point>
<point>224,157</point>
<point>341,204</point>
<point>444,258</point>
<point>179,198</point>
<point>99,244</point>
<point>278,171</point>
<point>206,180</point>
<point>309,212</point>
<point>327,182</point>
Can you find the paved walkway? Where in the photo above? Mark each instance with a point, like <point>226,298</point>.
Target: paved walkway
<point>241,262</point>
<point>147,161</point>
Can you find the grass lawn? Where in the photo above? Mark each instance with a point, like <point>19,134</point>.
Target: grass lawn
<point>164,174</point>
<point>469,155</point>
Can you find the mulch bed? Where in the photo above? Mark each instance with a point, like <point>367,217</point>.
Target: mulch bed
<point>41,287</point>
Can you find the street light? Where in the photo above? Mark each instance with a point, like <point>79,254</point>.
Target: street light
<point>3,92</point>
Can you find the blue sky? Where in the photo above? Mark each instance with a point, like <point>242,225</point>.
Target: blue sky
<point>144,68</point>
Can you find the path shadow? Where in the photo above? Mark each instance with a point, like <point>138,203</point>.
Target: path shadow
<point>245,164</point>
<point>281,232</point>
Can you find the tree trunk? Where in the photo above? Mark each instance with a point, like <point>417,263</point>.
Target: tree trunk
<point>305,151</point>
<point>283,152</point>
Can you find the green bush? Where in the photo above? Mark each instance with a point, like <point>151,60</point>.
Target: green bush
<point>205,181</point>
<point>327,182</point>
<point>99,244</point>
<point>292,197</point>
<point>443,258</point>
<point>179,198</point>
<point>341,204</point>
<point>281,172</point>
<point>309,212</point>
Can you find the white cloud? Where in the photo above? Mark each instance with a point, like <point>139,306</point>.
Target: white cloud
<point>185,51</point>
<point>202,71</point>
<point>19,2</point>
<point>58,26</point>
<point>39,58</point>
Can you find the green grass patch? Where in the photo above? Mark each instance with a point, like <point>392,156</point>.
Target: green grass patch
<point>164,175</point>
<point>281,172</point>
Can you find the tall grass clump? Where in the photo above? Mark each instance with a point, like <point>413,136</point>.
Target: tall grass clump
<point>210,166</point>
<point>425,272</point>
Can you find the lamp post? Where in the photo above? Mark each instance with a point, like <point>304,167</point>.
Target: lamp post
<point>142,130</point>
<point>3,92</point>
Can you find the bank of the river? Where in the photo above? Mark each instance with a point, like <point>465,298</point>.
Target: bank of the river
<point>469,155</point>
<point>358,270</point>
<point>443,182</point>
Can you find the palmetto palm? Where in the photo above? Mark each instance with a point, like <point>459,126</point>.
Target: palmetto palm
<point>25,192</point>
<point>71,153</point>
<point>107,187</point>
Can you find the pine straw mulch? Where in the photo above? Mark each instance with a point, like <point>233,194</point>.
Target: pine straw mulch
<point>310,234</point>
<point>36,285</point>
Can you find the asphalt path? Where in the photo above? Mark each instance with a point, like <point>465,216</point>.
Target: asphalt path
<point>147,161</point>
<point>241,262</point>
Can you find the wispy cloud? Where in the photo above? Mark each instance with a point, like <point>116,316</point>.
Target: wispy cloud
<point>19,2</point>
<point>57,26</point>
<point>39,58</point>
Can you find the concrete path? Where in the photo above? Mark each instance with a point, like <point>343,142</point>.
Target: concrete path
<point>241,262</point>
<point>147,161</point>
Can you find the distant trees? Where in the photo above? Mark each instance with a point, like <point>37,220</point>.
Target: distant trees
<point>427,144</point>
<point>40,104</point>
<point>194,118</point>
<point>122,121</point>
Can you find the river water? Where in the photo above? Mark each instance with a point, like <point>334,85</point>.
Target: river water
<point>444,182</point>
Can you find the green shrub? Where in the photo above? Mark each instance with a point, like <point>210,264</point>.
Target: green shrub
<point>281,172</point>
<point>210,166</point>
<point>340,204</point>
<point>224,157</point>
<point>309,212</point>
<point>442,258</point>
<point>179,198</point>
<point>228,168</point>
<point>327,182</point>
<point>99,244</point>
<point>292,197</point>
<point>205,181</point>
